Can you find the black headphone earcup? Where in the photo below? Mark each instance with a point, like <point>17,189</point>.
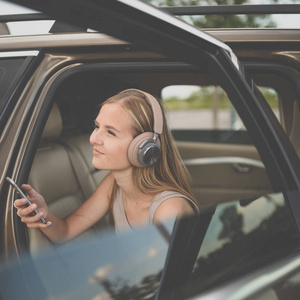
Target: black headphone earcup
<point>149,153</point>
<point>143,151</point>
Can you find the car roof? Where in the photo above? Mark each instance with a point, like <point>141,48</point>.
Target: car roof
<point>139,9</point>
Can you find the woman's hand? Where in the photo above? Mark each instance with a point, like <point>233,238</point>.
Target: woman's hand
<point>26,213</point>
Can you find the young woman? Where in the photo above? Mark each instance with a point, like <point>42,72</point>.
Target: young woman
<point>147,182</point>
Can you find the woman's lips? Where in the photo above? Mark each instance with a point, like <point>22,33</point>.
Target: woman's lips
<point>97,152</point>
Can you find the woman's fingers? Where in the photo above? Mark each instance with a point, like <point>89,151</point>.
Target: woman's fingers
<point>24,211</point>
<point>27,212</point>
<point>38,225</point>
<point>20,203</point>
<point>31,219</point>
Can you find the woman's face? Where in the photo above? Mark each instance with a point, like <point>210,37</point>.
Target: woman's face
<point>111,138</point>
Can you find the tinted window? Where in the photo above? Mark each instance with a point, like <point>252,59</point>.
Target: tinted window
<point>242,237</point>
<point>126,266</point>
<point>11,71</point>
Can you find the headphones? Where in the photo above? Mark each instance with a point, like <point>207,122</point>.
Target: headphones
<point>144,150</point>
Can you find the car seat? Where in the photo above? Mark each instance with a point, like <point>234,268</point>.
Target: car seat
<point>54,176</point>
<point>295,131</point>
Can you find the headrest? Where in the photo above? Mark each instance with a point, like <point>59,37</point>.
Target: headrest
<point>53,126</point>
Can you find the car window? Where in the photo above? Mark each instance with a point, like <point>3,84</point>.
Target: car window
<point>126,266</point>
<point>14,26</point>
<point>13,66</point>
<point>243,236</point>
<point>272,97</point>
<point>211,105</point>
<point>208,110</point>
<point>205,111</point>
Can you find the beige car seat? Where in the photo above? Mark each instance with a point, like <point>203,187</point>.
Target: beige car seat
<point>54,176</point>
<point>81,154</point>
<point>295,131</point>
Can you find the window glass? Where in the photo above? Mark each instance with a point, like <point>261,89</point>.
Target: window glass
<point>21,28</point>
<point>242,237</point>
<point>11,71</point>
<point>196,107</point>
<point>123,266</point>
<point>207,110</point>
<point>272,98</point>
<point>29,27</point>
<point>203,114</point>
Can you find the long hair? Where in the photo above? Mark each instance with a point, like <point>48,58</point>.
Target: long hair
<point>168,173</point>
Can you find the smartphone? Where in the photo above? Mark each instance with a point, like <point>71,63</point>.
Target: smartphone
<point>24,196</point>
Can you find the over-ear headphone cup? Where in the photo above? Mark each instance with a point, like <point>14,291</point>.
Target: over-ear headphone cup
<point>134,148</point>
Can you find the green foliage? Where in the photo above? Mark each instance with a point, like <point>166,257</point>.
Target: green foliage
<point>208,97</point>
<point>220,21</point>
<point>271,97</point>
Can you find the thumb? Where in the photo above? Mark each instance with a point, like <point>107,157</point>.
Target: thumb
<point>28,189</point>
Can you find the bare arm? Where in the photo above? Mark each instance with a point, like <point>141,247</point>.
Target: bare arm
<point>61,230</point>
<point>173,208</point>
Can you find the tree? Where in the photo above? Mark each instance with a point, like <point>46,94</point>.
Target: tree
<point>232,224</point>
<point>220,21</point>
<point>121,290</point>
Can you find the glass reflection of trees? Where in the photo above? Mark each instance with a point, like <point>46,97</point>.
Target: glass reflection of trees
<point>244,251</point>
<point>119,289</point>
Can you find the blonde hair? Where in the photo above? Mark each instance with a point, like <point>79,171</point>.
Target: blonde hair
<point>168,173</point>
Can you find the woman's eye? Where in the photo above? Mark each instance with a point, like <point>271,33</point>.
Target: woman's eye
<point>96,126</point>
<point>111,133</point>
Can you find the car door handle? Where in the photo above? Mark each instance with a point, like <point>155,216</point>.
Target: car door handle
<point>242,169</point>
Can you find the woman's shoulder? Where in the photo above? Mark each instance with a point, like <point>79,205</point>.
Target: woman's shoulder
<point>175,196</point>
<point>172,207</point>
<point>171,204</point>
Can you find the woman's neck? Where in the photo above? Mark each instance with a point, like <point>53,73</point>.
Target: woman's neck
<point>126,184</point>
<point>124,181</point>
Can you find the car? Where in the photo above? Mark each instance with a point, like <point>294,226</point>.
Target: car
<point>240,149</point>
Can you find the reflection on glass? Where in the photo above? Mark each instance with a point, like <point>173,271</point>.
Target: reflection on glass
<point>110,266</point>
<point>244,236</point>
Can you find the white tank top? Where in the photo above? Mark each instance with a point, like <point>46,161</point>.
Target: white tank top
<point>120,219</point>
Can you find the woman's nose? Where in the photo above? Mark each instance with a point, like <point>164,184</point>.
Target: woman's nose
<point>95,137</point>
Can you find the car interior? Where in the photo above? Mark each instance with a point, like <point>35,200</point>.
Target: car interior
<point>222,169</point>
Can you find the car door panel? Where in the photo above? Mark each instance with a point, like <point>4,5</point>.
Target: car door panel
<point>220,172</point>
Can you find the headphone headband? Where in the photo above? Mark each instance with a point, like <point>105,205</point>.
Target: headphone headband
<point>144,150</point>
<point>157,114</point>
